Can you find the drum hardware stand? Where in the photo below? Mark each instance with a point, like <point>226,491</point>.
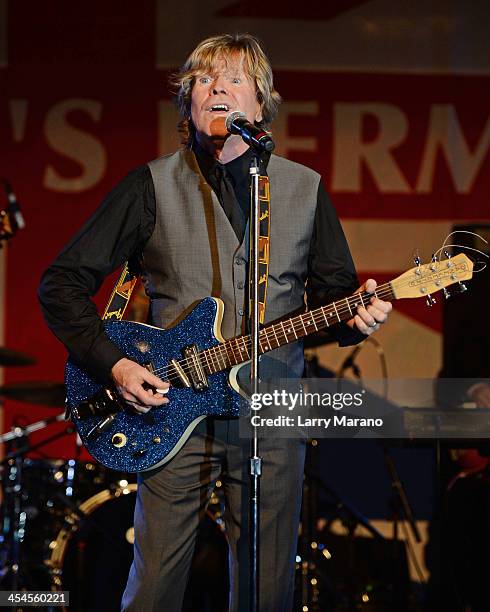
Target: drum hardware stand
<point>13,517</point>
<point>255,461</point>
<point>400,503</point>
<point>12,520</point>
<point>310,545</point>
<point>29,448</point>
<point>401,511</point>
<point>350,363</point>
<point>23,432</point>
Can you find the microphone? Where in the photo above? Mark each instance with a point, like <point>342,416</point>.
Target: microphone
<point>13,206</point>
<point>255,137</point>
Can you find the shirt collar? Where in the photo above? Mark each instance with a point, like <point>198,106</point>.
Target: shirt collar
<point>238,168</point>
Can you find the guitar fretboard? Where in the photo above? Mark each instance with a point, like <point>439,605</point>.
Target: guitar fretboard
<point>238,349</point>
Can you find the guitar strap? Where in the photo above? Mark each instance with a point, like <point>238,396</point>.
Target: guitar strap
<point>264,250</point>
<point>121,295</point>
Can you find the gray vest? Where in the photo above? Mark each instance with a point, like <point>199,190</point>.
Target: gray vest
<point>194,252</point>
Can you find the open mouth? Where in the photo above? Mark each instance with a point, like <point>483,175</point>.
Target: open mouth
<point>219,108</point>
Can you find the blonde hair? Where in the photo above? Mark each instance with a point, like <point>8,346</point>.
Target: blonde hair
<point>202,59</point>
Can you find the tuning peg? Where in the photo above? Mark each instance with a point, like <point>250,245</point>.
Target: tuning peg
<point>462,287</point>
<point>447,294</point>
<point>430,300</point>
<point>417,262</point>
<point>433,261</point>
<point>448,257</point>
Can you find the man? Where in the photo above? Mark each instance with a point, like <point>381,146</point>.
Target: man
<point>186,214</point>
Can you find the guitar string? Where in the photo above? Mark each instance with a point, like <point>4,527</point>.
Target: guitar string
<point>219,352</point>
<point>246,341</point>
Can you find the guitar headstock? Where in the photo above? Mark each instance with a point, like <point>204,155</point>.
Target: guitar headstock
<point>423,280</point>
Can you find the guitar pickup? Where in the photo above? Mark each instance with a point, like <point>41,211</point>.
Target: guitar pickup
<point>183,378</point>
<point>195,372</point>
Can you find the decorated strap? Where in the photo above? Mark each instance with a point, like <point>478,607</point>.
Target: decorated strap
<point>121,295</point>
<point>264,238</point>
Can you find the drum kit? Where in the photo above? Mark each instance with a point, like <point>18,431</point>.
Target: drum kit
<point>67,525</point>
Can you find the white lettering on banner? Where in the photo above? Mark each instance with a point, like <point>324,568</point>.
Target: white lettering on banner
<point>445,133</point>
<point>285,142</point>
<point>75,144</point>
<point>18,113</point>
<point>350,152</point>
<point>168,136</point>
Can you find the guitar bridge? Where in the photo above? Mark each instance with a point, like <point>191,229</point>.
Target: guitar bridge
<point>195,373</point>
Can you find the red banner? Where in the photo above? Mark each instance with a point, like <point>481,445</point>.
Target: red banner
<point>83,103</point>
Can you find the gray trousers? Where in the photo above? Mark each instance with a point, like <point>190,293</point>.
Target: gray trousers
<point>172,500</point>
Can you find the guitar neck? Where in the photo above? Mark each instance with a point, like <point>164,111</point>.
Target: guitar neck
<point>238,350</point>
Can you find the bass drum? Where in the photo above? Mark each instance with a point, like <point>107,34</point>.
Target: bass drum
<point>93,552</point>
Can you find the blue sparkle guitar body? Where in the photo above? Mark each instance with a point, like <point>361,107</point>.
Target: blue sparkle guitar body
<point>135,442</point>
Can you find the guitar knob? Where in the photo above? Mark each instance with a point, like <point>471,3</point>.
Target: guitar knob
<point>430,300</point>
<point>447,294</point>
<point>462,287</point>
<point>119,440</point>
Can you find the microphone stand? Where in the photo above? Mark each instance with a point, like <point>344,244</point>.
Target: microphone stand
<point>255,461</point>
<point>349,362</point>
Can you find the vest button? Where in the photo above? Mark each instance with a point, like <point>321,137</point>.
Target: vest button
<point>238,261</point>
<point>240,312</point>
<point>240,285</point>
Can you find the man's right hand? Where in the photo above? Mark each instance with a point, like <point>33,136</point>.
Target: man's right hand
<point>130,378</point>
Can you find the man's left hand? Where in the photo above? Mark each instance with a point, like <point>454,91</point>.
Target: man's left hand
<point>368,320</point>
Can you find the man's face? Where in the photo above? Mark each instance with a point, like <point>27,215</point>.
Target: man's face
<point>228,88</point>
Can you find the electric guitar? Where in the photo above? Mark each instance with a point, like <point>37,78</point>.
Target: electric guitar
<point>203,369</point>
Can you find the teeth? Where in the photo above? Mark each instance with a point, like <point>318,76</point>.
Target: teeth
<point>218,107</point>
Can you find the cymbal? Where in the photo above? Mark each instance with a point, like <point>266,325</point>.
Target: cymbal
<point>36,392</point>
<point>8,357</point>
